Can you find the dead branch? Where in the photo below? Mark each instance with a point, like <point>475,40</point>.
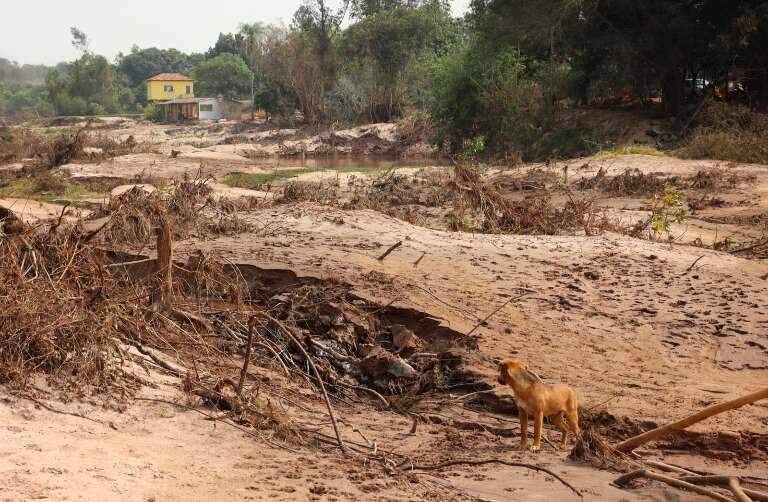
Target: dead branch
<point>388,251</point>
<point>56,225</point>
<point>336,355</point>
<point>730,482</point>
<point>54,410</point>
<point>289,333</point>
<point>247,360</point>
<point>633,442</point>
<point>172,368</point>
<point>164,268</point>
<point>687,271</point>
<point>366,389</point>
<point>493,461</point>
<point>485,319</point>
<point>644,473</point>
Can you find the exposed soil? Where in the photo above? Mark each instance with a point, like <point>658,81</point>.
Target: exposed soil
<point>645,330</point>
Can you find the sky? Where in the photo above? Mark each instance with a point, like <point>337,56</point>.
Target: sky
<point>37,31</point>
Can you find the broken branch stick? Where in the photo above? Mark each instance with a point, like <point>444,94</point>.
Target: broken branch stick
<point>483,321</point>
<point>643,473</point>
<point>633,442</point>
<point>493,461</point>
<point>289,333</point>
<point>730,482</point>
<point>388,251</point>
<point>164,269</point>
<point>247,360</point>
<point>366,389</point>
<point>692,265</point>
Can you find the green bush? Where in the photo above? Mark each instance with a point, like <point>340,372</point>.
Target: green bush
<point>153,113</point>
<point>475,95</point>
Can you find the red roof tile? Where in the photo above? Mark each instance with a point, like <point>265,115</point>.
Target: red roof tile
<point>170,77</point>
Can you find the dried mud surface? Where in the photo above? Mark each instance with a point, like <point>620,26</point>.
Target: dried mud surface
<point>646,332</point>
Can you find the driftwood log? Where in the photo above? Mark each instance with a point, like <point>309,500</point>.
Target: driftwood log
<point>633,442</point>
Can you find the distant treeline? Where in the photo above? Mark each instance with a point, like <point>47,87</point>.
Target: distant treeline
<point>499,74</point>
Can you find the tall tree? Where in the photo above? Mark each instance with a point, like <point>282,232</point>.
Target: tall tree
<point>226,75</point>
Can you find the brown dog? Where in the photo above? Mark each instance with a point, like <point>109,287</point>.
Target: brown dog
<point>535,398</point>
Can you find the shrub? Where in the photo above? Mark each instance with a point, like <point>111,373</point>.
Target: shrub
<point>495,98</point>
<point>153,113</point>
<point>727,132</point>
<point>738,146</point>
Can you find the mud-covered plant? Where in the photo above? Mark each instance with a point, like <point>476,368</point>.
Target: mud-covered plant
<point>666,208</point>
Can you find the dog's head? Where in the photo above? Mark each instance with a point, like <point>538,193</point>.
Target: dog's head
<point>507,367</point>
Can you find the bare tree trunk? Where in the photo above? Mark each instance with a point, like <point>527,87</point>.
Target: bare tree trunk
<point>164,270</point>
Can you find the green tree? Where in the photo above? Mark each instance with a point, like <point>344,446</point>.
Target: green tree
<point>485,93</point>
<point>141,64</point>
<point>91,84</point>
<point>386,45</point>
<point>226,74</point>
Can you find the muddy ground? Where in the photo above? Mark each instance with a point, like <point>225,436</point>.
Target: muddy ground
<point>645,330</point>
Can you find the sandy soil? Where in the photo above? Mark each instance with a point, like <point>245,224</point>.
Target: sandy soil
<point>650,331</point>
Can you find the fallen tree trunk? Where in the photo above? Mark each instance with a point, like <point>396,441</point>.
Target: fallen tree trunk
<point>633,442</point>
<point>623,480</point>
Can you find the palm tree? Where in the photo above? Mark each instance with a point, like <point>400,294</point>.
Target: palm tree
<point>253,35</point>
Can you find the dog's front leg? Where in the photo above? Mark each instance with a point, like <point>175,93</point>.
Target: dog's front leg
<point>523,416</point>
<point>538,423</point>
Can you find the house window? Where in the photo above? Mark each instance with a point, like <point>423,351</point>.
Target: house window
<point>168,88</point>
<point>206,108</point>
<point>189,89</point>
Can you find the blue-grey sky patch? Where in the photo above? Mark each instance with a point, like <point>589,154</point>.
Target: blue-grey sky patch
<point>37,31</point>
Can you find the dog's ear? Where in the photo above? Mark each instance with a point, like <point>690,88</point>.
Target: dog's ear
<point>508,372</point>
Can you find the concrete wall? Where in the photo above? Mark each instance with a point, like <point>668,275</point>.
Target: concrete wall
<point>156,90</point>
<point>215,113</point>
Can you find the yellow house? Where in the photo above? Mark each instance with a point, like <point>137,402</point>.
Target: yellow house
<point>167,86</point>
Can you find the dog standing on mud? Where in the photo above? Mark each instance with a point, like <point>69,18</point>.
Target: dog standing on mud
<point>535,398</point>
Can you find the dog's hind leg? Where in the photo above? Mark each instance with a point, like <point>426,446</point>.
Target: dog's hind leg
<point>523,416</point>
<point>538,425</point>
<point>573,416</point>
<point>557,420</point>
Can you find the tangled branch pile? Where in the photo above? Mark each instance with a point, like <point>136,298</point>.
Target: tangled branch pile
<point>59,316</point>
<point>189,205</point>
<point>535,214</point>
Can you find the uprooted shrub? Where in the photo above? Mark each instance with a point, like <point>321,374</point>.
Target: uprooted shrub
<point>190,207</point>
<point>535,214</point>
<point>56,317</point>
<point>630,182</point>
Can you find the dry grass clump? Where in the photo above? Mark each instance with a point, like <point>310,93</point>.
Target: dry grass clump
<point>130,218</point>
<point>414,128</point>
<point>66,147</point>
<point>111,147</point>
<point>717,178</point>
<point>727,132</point>
<point>631,182</point>
<point>309,191</point>
<point>17,144</point>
